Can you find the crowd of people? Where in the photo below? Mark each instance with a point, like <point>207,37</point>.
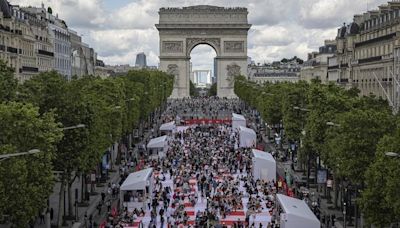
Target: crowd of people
<point>203,179</point>
<point>202,107</point>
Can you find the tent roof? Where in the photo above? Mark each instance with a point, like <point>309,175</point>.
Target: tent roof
<point>263,155</point>
<point>167,126</point>
<point>296,207</point>
<point>157,142</point>
<point>237,117</point>
<point>248,130</point>
<point>135,180</point>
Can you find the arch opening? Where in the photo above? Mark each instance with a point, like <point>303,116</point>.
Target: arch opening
<point>203,70</point>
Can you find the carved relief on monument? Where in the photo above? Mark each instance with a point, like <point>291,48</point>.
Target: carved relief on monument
<point>173,70</point>
<point>208,32</point>
<point>233,70</point>
<point>192,42</point>
<point>233,46</point>
<point>172,46</point>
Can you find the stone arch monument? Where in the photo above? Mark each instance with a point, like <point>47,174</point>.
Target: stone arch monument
<point>224,29</point>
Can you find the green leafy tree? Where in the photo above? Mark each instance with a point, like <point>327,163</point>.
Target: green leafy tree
<point>380,201</point>
<point>45,90</point>
<point>108,108</point>
<point>213,90</point>
<point>353,146</point>
<point>26,181</point>
<point>294,103</point>
<point>193,90</point>
<point>8,83</point>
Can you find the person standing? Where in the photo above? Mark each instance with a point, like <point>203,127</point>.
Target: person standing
<point>51,214</point>
<point>42,214</point>
<point>90,221</point>
<point>85,220</point>
<point>103,196</point>
<point>108,203</point>
<point>99,206</point>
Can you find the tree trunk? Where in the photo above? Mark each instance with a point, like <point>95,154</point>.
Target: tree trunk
<point>60,205</point>
<point>356,208</point>
<point>336,191</point>
<point>83,178</point>
<point>92,190</point>
<point>316,167</point>
<point>325,188</point>
<point>308,170</point>
<point>70,207</point>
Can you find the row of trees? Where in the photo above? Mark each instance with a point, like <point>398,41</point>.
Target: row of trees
<point>193,91</point>
<point>347,134</point>
<point>213,90</point>
<point>35,114</point>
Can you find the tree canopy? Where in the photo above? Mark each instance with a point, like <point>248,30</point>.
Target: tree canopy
<point>36,116</point>
<point>349,133</point>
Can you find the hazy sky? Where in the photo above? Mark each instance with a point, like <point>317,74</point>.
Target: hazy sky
<point>118,29</point>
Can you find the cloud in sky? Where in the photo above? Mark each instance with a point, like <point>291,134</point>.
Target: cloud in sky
<point>119,29</point>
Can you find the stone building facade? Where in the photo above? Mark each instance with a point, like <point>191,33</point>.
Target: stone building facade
<point>33,40</point>
<point>61,40</point>
<point>316,66</point>
<point>17,42</point>
<point>368,53</point>
<point>282,72</point>
<point>44,50</point>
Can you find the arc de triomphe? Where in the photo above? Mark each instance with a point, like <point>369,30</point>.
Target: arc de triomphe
<point>224,29</point>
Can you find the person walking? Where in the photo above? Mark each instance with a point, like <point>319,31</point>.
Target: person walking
<point>85,220</point>
<point>108,204</point>
<point>42,214</point>
<point>51,214</point>
<point>90,221</point>
<point>103,196</point>
<point>99,206</point>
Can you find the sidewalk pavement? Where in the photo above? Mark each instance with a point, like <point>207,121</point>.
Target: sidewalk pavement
<point>91,209</point>
<point>325,207</point>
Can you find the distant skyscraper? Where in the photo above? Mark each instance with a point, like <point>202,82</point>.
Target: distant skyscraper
<point>214,77</point>
<point>202,78</point>
<point>141,60</point>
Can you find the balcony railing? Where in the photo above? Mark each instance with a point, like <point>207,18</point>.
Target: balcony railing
<point>375,40</point>
<point>29,69</point>
<point>333,67</point>
<point>371,59</point>
<point>343,80</point>
<point>43,52</point>
<point>12,50</point>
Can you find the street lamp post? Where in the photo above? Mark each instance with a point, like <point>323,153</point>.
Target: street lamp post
<point>30,152</point>
<point>73,127</point>
<point>332,124</point>
<point>392,154</point>
<point>300,109</point>
<point>344,215</point>
<point>112,148</point>
<point>66,129</point>
<point>129,136</point>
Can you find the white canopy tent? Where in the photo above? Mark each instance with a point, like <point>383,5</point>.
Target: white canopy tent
<point>238,120</point>
<point>158,146</point>
<point>247,137</point>
<point>168,127</point>
<point>264,166</point>
<point>296,213</point>
<point>136,188</point>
